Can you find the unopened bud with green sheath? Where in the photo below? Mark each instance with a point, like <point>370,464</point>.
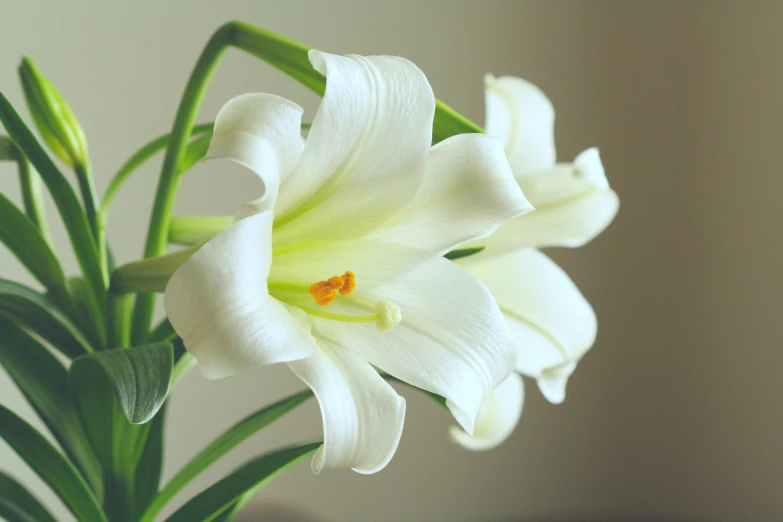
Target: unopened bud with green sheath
<point>55,121</point>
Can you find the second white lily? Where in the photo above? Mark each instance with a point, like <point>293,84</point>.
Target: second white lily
<point>553,325</point>
<point>337,267</point>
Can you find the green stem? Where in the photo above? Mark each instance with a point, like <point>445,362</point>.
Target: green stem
<point>119,325</point>
<point>157,237</point>
<point>138,159</point>
<point>32,194</point>
<point>263,44</point>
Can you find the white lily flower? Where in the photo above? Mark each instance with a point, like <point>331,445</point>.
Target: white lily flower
<point>573,201</point>
<point>337,267</point>
<point>552,324</point>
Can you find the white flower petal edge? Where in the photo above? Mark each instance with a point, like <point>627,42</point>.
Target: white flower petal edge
<point>498,418</point>
<point>573,205</point>
<point>452,339</point>
<point>217,301</point>
<point>468,191</point>
<point>262,133</point>
<point>521,115</point>
<point>551,322</point>
<point>371,134</point>
<point>362,414</point>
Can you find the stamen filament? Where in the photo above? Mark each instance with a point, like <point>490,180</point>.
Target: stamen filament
<point>371,318</point>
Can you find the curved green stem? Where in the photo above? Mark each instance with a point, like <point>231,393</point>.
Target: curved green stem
<point>243,36</point>
<point>138,159</point>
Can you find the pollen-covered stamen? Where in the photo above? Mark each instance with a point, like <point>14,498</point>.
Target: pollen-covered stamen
<point>349,283</point>
<point>324,292</point>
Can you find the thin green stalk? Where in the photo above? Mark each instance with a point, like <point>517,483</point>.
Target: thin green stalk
<point>32,194</point>
<point>119,324</point>
<point>252,40</point>
<point>157,237</point>
<point>138,159</point>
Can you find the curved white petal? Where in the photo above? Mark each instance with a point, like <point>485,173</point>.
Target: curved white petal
<point>553,381</point>
<point>452,340</point>
<point>369,142</point>
<point>521,115</point>
<point>551,323</point>
<point>362,414</point>
<point>497,419</point>
<point>573,205</point>
<point>467,193</point>
<point>217,301</point>
<point>261,132</point>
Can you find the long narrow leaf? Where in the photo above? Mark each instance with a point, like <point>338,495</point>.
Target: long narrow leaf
<point>25,241</point>
<point>212,502</point>
<point>19,505</point>
<point>42,316</point>
<point>147,476</point>
<point>70,209</point>
<point>140,377</point>
<point>54,469</point>
<point>222,445</point>
<point>44,382</point>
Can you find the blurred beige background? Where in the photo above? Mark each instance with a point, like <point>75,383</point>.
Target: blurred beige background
<point>677,412</point>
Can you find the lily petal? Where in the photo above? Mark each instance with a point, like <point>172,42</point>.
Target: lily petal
<point>217,301</point>
<point>521,115</point>
<point>369,140</point>
<point>437,346</point>
<point>467,193</point>
<point>362,415</point>
<point>497,419</point>
<point>262,133</point>
<point>552,324</point>
<point>553,381</point>
<point>573,205</point>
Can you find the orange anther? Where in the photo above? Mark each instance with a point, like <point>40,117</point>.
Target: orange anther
<point>349,283</point>
<point>324,291</point>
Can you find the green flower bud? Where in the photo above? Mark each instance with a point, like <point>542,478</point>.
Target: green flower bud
<point>55,121</point>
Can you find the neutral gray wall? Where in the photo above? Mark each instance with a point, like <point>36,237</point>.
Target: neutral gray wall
<point>676,414</point>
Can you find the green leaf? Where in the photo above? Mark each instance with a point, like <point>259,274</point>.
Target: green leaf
<point>19,505</point>
<point>114,390</point>
<point>149,275</point>
<point>147,476</point>
<point>222,445</point>
<point>163,333</point>
<point>25,241</point>
<point>32,194</point>
<point>70,209</point>
<point>139,376</point>
<point>54,469</point>
<point>463,252</point>
<point>42,315</point>
<point>215,500</point>
<point>44,382</point>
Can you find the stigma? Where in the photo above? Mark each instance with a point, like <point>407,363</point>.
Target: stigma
<point>324,292</point>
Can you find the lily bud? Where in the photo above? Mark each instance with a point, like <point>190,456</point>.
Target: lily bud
<point>55,121</point>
